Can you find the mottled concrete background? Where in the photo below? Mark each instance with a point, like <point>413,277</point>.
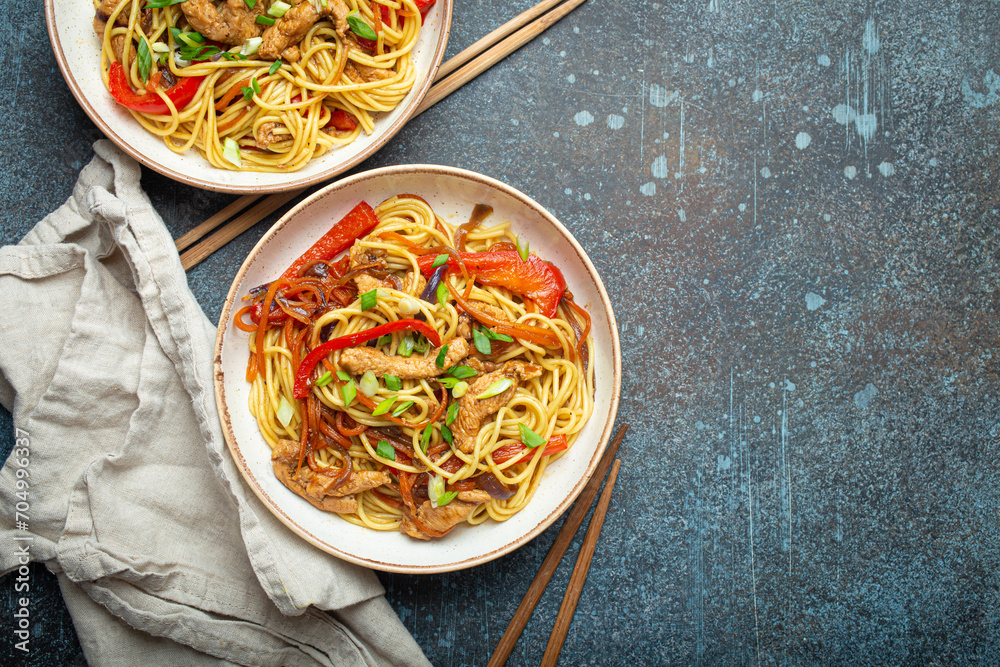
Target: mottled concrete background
<point>794,206</point>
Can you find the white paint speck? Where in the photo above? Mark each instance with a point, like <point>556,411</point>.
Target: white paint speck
<point>515,121</point>
<point>648,189</point>
<point>870,39</point>
<point>586,196</point>
<point>789,385</point>
<point>814,301</point>
<point>659,167</point>
<point>851,172</point>
<point>571,78</point>
<point>555,134</point>
<point>742,207</point>
<point>802,140</point>
<point>660,97</point>
<point>765,173</point>
<point>576,30</point>
<point>826,217</point>
<point>681,215</point>
<point>863,398</point>
<point>615,122</point>
<point>546,41</point>
<point>568,191</point>
<point>887,169</point>
<point>866,125</point>
<point>583,118</point>
<point>823,60</point>
<point>757,95</point>
<point>933,162</point>
<point>844,114</point>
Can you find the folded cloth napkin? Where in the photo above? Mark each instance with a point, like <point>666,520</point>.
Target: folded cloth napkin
<point>163,555</point>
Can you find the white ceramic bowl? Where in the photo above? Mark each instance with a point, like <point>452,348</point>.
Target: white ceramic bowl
<point>77,50</point>
<point>451,193</point>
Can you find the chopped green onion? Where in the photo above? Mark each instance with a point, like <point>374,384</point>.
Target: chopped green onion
<point>439,260</point>
<point>447,382</point>
<point>251,45</point>
<point>393,383</point>
<point>383,340</point>
<point>384,406</point>
<point>369,384</point>
<point>325,380</point>
<point>250,3</point>
<point>493,335</point>
<point>278,9</point>
<point>522,250</point>
<point>158,4</point>
<point>385,450</point>
<point>460,389</point>
<point>233,56</point>
<point>402,408</point>
<point>285,412</point>
<point>497,388</point>
<point>481,342</point>
<point>435,488</point>
<point>369,299</point>
<point>425,437</point>
<point>275,66</point>
<point>247,93</point>
<point>462,372</point>
<point>144,59</point>
<point>160,47</point>
<point>446,434</point>
<point>359,27</point>
<point>264,20</point>
<point>452,413</point>
<point>442,353</point>
<point>343,375</point>
<point>348,391</point>
<point>405,348</point>
<point>529,437</point>
<point>408,306</point>
<point>192,39</point>
<point>442,294</point>
<point>421,345</point>
<point>231,152</point>
<point>446,498</point>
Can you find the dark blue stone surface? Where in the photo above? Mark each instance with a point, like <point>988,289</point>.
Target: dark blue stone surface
<point>795,208</point>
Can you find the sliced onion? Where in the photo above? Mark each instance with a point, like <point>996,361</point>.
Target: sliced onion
<point>493,486</point>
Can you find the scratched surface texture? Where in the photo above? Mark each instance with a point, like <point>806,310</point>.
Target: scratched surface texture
<point>794,206</point>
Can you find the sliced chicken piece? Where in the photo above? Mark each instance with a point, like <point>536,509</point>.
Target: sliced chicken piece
<point>357,72</point>
<point>234,24</point>
<point>443,519</point>
<point>472,411</point>
<point>356,360</point>
<point>322,491</point>
<point>289,30</point>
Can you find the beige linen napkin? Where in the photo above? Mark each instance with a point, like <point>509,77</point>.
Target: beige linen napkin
<point>163,555</point>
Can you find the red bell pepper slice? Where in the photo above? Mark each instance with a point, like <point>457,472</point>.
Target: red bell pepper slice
<point>535,278</point>
<point>341,120</point>
<point>359,221</point>
<point>181,93</point>
<point>517,450</point>
<point>302,384</point>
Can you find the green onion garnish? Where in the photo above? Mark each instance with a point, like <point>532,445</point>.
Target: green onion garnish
<point>325,380</point>
<point>497,388</point>
<point>343,376</point>
<point>481,342</point>
<point>144,59</point>
<point>446,498</point>
<point>285,412</point>
<point>275,66</point>
<point>251,45</point>
<point>451,414</point>
<point>264,20</point>
<point>348,391</point>
<point>446,434</point>
<point>421,345</point>
<point>250,3</point>
<point>439,260</point>
<point>369,299</point>
<point>384,406</point>
<point>385,450</point>
<point>359,27</point>
<point>522,250</point>
<point>157,4</point>
<point>425,437</point>
<point>278,9</point>
<point>383,340</point>
<point>369,384</point>
<point>234,56</point>
<point>405,348</point>
<point>462,372</point>
<point>192,39</point>
<point>448,383</point>
<point>442,294</point>
<point>393,383</point>
<point>460,389</point>
<point>529,437</point>
<point>231,152</point>
<point>442,353</point>
<point>402,408</point>
<point>493,335</point>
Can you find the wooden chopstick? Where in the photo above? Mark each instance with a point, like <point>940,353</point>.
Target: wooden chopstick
<point>579,576</point>
<point>451,76</point>
<point>556,552</point>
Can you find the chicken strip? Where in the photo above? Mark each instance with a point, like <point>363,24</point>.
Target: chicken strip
<point>356,360</point>
<point>472,411</point>
<point>442,519</point>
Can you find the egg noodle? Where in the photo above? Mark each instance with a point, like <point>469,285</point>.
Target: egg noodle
<point>244,95</point>
<point>445,454</point>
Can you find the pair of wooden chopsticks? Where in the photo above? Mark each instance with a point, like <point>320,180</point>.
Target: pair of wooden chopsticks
<point>552,559</point>
<point>194,246</point>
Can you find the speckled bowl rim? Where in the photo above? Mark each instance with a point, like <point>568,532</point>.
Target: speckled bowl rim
<point>289,181</point>
<point>607,317</point>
